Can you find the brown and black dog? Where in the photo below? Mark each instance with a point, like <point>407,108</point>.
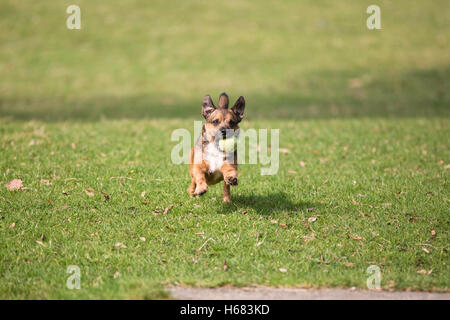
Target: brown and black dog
<point>208,163</point>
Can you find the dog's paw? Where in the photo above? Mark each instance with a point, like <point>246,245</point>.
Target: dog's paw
<point>200,189</point>
<point>231,180</point>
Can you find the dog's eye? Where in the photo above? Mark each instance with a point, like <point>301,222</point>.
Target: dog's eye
<point>216,122</point>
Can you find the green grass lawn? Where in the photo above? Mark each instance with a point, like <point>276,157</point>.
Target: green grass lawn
<point>86,118</point>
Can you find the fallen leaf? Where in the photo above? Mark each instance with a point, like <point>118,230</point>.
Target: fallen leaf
<point>358,238</point>
<point>292,171</point>
<point>283,270</point>
<point>40,243</point>
<point>142,239</point>
<point>12,225</point>
<point>15,184</point>
<point>244,212</point>
<point>225,266</point>
<point>426,250</point>
<point>106,196</point>
<point>302,164</point>
<point>143,194</point>
<point>433,233</point>
<point>120,245</point>
<point>89,193</point>
<point>284,150</point>
<point>116,275</point>
<point>157,211</point>
<point>423,271</point>
<point>312,219</point>
<point>447,166</point>
<point>364,214</point>
<point>168,209</point>
<point>349,264</point>
<point>283,225</point>
<point>74,146</point>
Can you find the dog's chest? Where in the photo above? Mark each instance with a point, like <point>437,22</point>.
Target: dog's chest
<point>214,157</point>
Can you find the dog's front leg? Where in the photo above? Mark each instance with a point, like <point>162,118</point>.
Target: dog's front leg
<point>230,175</point>
<point>198,174</point>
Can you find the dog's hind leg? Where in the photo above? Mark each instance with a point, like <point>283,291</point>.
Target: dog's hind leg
<point>226,193</point>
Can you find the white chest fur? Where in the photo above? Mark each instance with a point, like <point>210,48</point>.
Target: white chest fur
<point>214,157</point>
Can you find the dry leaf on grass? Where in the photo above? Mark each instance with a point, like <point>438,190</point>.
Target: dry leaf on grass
<point>142,238</point>
<point>120,245</point>
<point>15,184</point>
<point>433,233</point>
<point>349,265</point>
<point>283,270</point>
<point>106,196</point>
<point>168,209</point>
<point>90,192</point>
<point>284,150</point>
<point>423,271</point>
<point>426,250</point>
<point>302,164</point>
<point>358,238</point>
<point>312,219</point>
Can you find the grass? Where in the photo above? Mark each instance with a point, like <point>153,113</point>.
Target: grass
<point>92,111</point>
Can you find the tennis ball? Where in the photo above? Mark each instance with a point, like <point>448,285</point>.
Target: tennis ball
<point>228,145</point>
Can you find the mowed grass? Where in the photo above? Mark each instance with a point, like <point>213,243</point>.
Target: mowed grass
<point>376,188</point>
<point>86,118</point>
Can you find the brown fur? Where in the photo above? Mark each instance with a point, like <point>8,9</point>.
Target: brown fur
<point>217,119</point>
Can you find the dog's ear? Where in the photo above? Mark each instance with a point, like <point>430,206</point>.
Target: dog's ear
<point>207,106</point>
<point>223,101</point>
<point>239,107</point>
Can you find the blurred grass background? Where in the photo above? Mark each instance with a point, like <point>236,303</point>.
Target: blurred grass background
<point>290,59</point>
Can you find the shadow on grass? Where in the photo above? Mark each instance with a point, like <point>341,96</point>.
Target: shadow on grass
<point>325,94</point>
<point>268,204</point>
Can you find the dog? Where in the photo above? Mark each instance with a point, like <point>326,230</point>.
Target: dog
<point>208,164</point>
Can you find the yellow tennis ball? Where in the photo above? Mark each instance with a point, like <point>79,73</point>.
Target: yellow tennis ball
<point>228,145</point>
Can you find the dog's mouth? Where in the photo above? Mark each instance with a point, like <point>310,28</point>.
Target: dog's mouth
<point>226,134</point>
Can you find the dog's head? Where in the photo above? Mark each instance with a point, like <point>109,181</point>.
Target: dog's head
<point>222,122</point>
